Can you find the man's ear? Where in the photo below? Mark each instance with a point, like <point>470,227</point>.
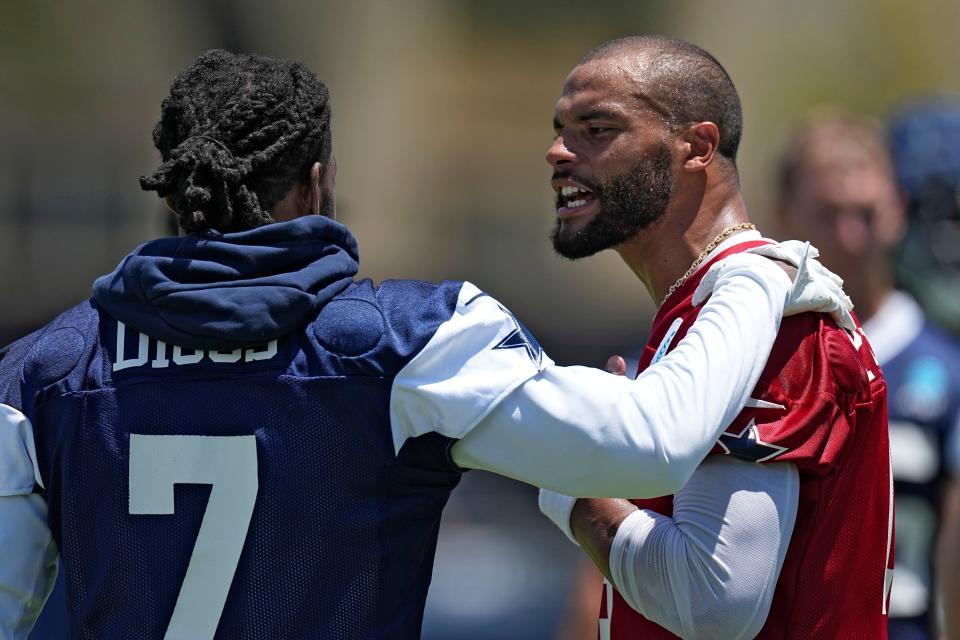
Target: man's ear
<point>702,139</point>
<point>303,199</point>
<point>309,192</point>
<point>316,192</point>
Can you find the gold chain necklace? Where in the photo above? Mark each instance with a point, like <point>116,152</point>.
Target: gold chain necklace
<point>723,235</point>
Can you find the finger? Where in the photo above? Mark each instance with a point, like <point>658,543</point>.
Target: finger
<point>822,272</point>
<point>617,365</point>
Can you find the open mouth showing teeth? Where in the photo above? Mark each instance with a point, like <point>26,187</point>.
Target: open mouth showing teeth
<point>575,196</point>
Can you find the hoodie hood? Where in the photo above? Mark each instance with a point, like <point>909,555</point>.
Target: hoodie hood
<point>220,291</point>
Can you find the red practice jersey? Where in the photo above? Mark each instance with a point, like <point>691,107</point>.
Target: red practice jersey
<point>821,405</point>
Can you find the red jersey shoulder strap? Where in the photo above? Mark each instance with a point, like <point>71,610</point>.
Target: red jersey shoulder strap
<point>677,303</point>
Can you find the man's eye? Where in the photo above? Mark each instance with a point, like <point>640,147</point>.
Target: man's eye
<point>595,131</point>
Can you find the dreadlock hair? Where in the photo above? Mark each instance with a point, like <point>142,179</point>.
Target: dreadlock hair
<point>235,134</point>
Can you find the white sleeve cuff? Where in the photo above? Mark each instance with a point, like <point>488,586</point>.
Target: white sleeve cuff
<point>558,508</point>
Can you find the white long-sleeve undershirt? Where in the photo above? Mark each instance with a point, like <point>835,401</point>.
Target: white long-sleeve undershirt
<point>710,571</point>
<point>586,433</point>
<point>576,430</point>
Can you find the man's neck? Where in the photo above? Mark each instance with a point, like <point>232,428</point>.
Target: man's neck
<point>663,252</point>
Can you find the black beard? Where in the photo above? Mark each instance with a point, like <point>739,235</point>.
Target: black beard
<point>629,203</point>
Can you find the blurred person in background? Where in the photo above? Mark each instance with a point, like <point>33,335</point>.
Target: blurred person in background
<point>924,138</point>
<point>787,531</point>
<point>330,418</point>
<point>838,188</point>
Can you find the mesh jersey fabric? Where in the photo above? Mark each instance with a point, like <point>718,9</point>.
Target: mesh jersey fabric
<point>318,410</point>
<point>820,404</point>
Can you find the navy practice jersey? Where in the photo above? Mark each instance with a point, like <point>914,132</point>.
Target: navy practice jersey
<point>235,439</point>
<point>189,489</point>
<point>262,491</point>
<point>922,368</point>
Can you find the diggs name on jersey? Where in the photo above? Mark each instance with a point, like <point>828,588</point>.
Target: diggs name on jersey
<point>145,345</point>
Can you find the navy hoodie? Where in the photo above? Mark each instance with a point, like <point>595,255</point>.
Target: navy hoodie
<point>261,350</point>
<point>220,291</point>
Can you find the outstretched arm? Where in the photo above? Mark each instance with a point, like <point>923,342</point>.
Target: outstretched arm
<point>585,432</point>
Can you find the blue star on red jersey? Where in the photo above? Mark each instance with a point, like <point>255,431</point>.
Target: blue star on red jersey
<point>747,445</point>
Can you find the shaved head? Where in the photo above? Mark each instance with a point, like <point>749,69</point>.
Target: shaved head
<point>682,82</point>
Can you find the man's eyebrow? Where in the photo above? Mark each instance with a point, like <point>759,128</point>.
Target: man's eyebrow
<point>598,113</point>
<point>592,113</point>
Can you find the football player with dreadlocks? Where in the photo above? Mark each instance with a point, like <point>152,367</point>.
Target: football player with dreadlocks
<point>236,438</point>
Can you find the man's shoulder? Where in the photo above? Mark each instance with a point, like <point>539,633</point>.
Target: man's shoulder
<point>52,354</point>
<point>934,342</point>
<point>815,376</point>
<point>813,355</point>
<point>924,379</point>
<point>417,307</point>
<point>82,316</point>
<point>414,299</point>
<point>390,324</point>
<point>795,346</point>
<point>462,351</point>
<point>930,360</point>
<point>379,328</point>
<point>77,325</point>
<point>805,342</point>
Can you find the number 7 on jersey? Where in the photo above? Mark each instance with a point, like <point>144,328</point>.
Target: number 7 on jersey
<point>229,464</point>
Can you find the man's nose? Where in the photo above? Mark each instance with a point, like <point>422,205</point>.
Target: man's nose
<point>559,153</point>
